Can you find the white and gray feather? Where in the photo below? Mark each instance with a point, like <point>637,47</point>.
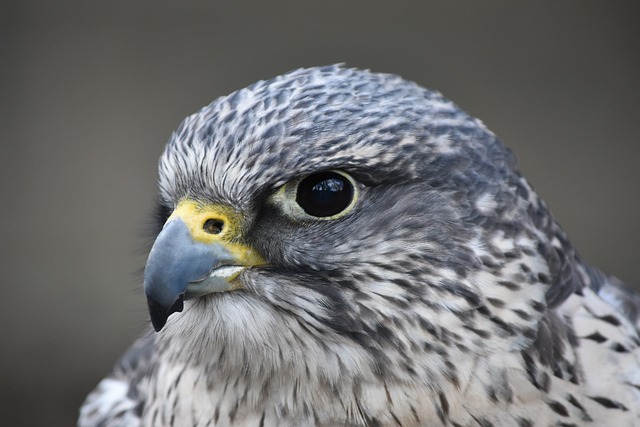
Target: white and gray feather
<point>449,296</point>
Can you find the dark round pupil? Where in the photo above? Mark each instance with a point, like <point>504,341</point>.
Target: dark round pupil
<point>324,194</point>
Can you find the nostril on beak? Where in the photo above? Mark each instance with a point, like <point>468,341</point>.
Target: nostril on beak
<point>213,226</point>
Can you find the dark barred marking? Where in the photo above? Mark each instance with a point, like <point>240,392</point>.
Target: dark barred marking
<point>233,412</point>
<point>545,382</point>
<point>558,408</point>
<point>481,333</point>
<point>537,306</point>
<point>451,373</point>
<point>498,303</point>
<point>462,291</point>
<point>414,412</point>
<point>637,386</point>
<point>523,422</point>
<point>540,379</point>
<point>395,418</point>
<point>597,337</point>
<point>444,405</point>
<point>504,326</point>
<point>174,407</point>
<point>509,285</point>
<point>386,390</point>
<point>482,422</point>
<point>521,314</point>
<point>608,403</point>
<point>611,319</point>
<point>216,413</point>
<point>584,415</point>
<point>619,348</point>
<point>525,268</point>
<point>488,261</point>
<point>543,278</point>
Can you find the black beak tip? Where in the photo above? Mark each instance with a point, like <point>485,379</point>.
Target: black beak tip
<point>159,313</point>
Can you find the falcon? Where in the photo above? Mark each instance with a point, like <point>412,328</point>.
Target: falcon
<point>337,247</point>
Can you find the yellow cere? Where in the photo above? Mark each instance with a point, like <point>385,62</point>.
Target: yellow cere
<point>195,214</point>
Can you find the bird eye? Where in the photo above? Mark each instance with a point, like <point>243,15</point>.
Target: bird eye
<point>325,194</point>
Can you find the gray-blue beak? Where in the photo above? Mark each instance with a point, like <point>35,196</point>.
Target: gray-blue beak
<point>187,262</point>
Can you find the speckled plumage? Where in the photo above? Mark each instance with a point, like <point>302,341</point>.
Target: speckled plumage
<point>447,297</point>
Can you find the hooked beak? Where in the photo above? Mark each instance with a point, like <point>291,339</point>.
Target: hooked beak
<point>195,254</point>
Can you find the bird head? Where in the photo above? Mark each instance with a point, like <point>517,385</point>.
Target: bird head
<point>348,215</point>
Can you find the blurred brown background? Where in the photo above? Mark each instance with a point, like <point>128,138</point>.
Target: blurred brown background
<point>90,92</point>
